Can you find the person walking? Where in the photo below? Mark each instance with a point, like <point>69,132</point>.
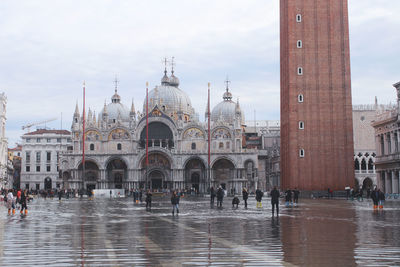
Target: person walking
<point>375,198</point>
<point>296,194</point>
<point>288,197</point>
<point>245,196</point>
<point>381,199</point>
<point>148,199</point>
<point>24,197</point>
<point>212,195</point>
<point>275,200</point>
<point>175,203</point>
<point>59,195</point>
<point>220,196</point>
<point>259,195</point>
<point>10,202</point>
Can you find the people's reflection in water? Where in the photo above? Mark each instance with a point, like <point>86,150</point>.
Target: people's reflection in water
<point>275,227</point>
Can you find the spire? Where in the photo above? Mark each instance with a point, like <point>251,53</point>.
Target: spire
<point>227,96</point>
<point>94,117</point>
<point>165,79</point>
<point>76,113</point>
<point>173,80</point>
<point>133,107</point>
<point>116,98</point>
<point>105,107</point>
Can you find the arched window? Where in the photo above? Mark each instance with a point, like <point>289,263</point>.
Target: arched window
<point>300,98</point>
<point>228,145</point>
<point>119,146</point>
<point>370,164</point>
<point>356,165</point>
<point>363,164</point>
<point>301,153</point>
<point>298,18</point>
<point>193,146</point>
<point>299,44</point>
<point>221,145</point>
<point>91,146</point>
<point>301,125</point>
<point>299,71</point>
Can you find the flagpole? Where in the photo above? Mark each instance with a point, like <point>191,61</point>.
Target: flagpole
<point>83,138</point>
<point>209,138</point>
<point>147,133</point>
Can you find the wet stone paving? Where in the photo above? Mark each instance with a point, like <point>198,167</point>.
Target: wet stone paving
<point>117,232</point>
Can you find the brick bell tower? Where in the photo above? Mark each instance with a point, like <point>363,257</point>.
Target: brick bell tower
<point>316,111</point>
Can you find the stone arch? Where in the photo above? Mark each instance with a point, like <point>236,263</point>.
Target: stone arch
<point>142,125</point>
<point>195,174</point>
<point>367,183</point>
<point>116,172</point>
<point>370,164</point>
<point>160,135</point>
<point>222,172</point>
<point>92,174</point>
<point>363,164</point>
<point>356,164</point>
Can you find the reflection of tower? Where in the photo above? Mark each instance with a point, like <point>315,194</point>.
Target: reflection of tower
<point>316,111</point>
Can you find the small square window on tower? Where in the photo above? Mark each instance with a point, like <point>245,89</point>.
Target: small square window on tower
<point>299,71</point>
<point>301,153</point>
<point>298,18</point>
<point>300,98</point>
<point>299,44</point>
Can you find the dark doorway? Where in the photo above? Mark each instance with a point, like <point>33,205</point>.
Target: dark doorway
<point>118,180</point>
<point>156,179</point>
<point>156,184</point>
<point>195,179</point>
<point>47,183</point>
<point>367,183</point>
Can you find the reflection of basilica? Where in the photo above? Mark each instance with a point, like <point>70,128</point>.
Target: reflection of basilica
<point>178,145</point>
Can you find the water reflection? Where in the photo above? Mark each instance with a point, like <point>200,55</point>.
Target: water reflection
<point>117,232</point>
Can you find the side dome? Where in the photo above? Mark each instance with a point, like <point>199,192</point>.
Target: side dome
<point>227,110</point>
<point>115,109</point>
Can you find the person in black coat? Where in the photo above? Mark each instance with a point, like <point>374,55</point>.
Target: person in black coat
<point>296,194</point>
<point>381,198</point>
<point>175,202</point>
<point>288,197</point>
<point>148,200</point>
<point>375,198</point>
<point>235,201</point>
<point>220,196</point>
<point>212,195</point>
<point>24,197</point>
<point>259,195</point>
<point>245,196</point>
<point>275,200</point>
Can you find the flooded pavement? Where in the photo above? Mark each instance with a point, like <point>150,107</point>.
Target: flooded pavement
<point>117,232</point>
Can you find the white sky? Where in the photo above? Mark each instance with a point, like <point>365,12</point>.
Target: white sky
<point>47,49</point>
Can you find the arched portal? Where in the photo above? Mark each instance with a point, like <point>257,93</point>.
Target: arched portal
<point>159,135</point>
<point>90,177</point>
<point>156,179</point>
<point>367,183</point>
<point>196,175</point>
<point>159,168</point>
<point>65,178</point>
<point>117,172</point>
<point>222,173</point>
<point>47,183</point>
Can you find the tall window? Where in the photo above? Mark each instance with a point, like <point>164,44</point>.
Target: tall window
<point>37,156</point>
<point>119,146</point>
<point>221,145</point>
<point>301,153</point>
<point>389,142</point>
<point>28,168</point>
<point>91,146</point>
<point>300,98</point>
<point>48,140</point>
<point>382,145</point>
<point>48,168</point>
<point>37,140</point>
<point>396,143</point>
<point>299,71</point>
<point>38,168</point>
<point>28,156</point>
<point>48,156</point>
<point>298,18</point>
<point>301,125</point>
<point>299,44</point>
<point>193,146</point>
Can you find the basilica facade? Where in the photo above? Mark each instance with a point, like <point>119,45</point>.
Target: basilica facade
<point>115,145</point>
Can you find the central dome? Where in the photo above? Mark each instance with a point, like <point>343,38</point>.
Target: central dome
<point>227,109</point>
<point>169,98</point>
<point>115,109</point>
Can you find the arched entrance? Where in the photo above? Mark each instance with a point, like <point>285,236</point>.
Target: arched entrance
<point>65,178</point>
<point>367,183</point>
<point>116,173</point>
<point>158,171</point>
<point>90,177</point>
<point>222,173</point>
<point>156,178</point>
<point>195,175</point>
<point>47,183</point>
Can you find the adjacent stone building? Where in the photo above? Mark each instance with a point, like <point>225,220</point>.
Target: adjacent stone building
<point>4,163</point>
<point>40,158</point>
<point>387,135</point>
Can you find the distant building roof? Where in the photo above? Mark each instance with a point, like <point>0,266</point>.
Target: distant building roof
<point>44,131</point>
<point>17,148</point>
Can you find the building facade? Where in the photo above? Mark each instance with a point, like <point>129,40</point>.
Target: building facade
<point>41,151</point>
<point>316,109</point>
<point>115,145</point>
<point>4,164</point>
<point>387,135</point>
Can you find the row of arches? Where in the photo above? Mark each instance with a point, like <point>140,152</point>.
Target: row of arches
<point>158,173</point>
<point>364,164</point>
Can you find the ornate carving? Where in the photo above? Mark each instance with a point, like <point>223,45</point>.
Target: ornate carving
<point>193,133</point>
<point>92,135</point>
